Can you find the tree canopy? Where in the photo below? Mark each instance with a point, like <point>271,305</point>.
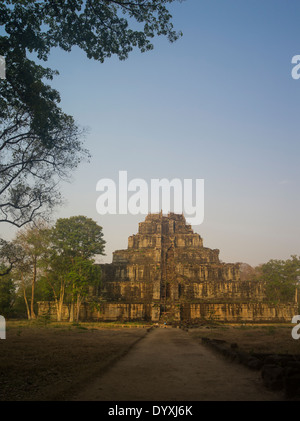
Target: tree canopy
<point>77,236</point>
<point>57,262</point>
<point>74,241</point>
<point>30,171</point>
<point>101,28</point>
<point>39,143</point>
<point>281,278</point>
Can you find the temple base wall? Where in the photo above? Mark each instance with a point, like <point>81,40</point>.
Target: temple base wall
<point>215,291</point>
<point>239,312</point>
<point>222,312</point>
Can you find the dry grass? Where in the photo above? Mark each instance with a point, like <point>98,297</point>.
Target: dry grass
<point>48,362</point>
<point>275,339</point>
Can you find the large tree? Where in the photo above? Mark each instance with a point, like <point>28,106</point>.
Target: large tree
<point>75,241</point>
<point>30,171</point>
<point>78,236</point>
<point>281,278</point>
<point>7,295</point>
<point>10,254</point>
<point>38,142</point>
<point>101,28</point>
<point>33,241</point>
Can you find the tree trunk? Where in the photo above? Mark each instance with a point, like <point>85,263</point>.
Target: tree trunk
<point>71,319</point>
<point>61,302</point>
<point>25,298</point>
<point>78,308</point>
<point>33,316</point>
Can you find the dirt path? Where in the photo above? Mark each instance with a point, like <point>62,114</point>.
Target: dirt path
<point>168,365</point>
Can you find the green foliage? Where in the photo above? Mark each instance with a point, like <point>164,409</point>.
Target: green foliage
<point>10,255</point>
<point>7,295</point>
<point>18,308</point>
<point>82,275</point>
<point>53,264</point>
<point>39,143</point>
<point>78,236</point>
<point>43,320</point>
<point>70,268</point>
<point>33,242</point>
<point>281,278</point>
<point>100,28</point>
<point>43,291</point>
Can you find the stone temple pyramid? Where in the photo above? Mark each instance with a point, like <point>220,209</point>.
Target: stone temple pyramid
<point>166,274</point>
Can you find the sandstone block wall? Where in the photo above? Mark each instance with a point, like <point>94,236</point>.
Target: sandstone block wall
<point>167,270</point>
<point>226,312</point>
<point>233,312</point>
<point>104,312</point>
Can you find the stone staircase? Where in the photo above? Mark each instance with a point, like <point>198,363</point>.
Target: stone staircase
<point>168,315</point>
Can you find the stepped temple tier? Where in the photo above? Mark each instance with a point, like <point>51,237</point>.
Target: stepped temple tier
<point>166,274</point>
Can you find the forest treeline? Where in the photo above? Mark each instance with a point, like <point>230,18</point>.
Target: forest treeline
<point>57,263</point>
<point>50,263</point>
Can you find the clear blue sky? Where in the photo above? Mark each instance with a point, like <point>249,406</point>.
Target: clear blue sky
<point>218,104</point>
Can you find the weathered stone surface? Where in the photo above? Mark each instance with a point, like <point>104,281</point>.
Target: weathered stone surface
<point>278,371</point>
<point>238,312</point>
<point>166,273</point>
<point>105,312</point>
<point>166,261</point>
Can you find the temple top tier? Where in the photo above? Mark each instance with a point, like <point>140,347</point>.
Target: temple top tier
<point>157,223</point>
<point>159,229</point>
